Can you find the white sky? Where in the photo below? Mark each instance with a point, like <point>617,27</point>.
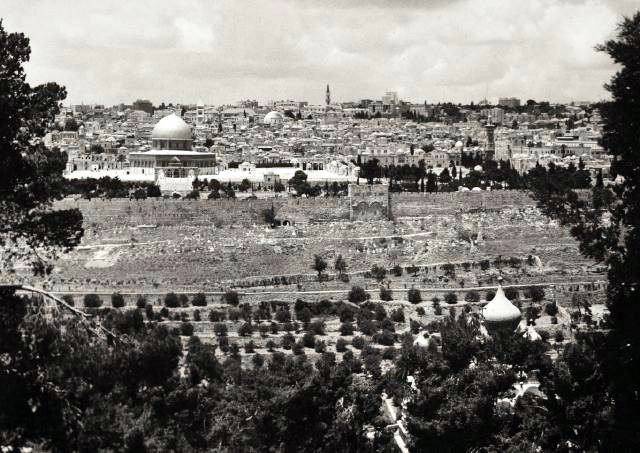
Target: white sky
<point>221,51</point>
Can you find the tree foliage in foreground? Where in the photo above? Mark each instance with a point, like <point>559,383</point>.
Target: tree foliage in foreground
<point>607,226</point>
<point>65,389</point>
<point>30,174</point>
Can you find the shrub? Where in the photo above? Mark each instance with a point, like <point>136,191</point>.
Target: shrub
<point>485,265</point>
<point>68,298</point>
<point>304,315</point>
<point>249,347</point>
<point>308,340</point>
<point>271,345</point>
<point>358,342</point>
<point>559,336</point>
<point>358,295</point>
<point>275,328</point>
<point>396,270</point>
<point>148,311</point>
<point>414,296</point>
<point>449,270</point>
<point>378,272</point>
<point>283,315</point>
<point>472,296</point>
<point>346,328</point>
<point>320,346</point>
<point>379,312</point>
<point>544,335</point>
<point>420,311</point>
<point>297,348</point>
<point>345,313</point>
<point>413,270</point>
<point>234,350</point>
<point>184,300</point>
<point>386,338</point>
<point>511,294</point>
<point>193,195</point>
<point>171,300</point>
<point>451,298</point>
<point>141,301</point>
<point>216,315</point>
<point>489,295</point>
<point>386,294</point>
<point>531,314</point>
<point>245,329</point>
<point>551,309</point>
<point>316,327</point>
<point>341,345</point>
<point>220,329</point>
<point>536,293</point>
<point>234,315</point>
<point>367,327</point>
<point>196,315</point>
<point>199,300</point>
<point>389,353</point>
<point>515,262</point>
<point>92,301</point>
<point>231,298</point>
<point>245,312</point>
<point>397,315</point>
<point>554,320</point>
<point>264,330</point>
<point>287,341</point>
<point>186,329</point>
<point>257,360</point>
<point>223,344</point>
<point>117,300</point>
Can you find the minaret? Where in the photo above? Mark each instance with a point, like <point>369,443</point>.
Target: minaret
<point>490,152</point>
<point>328,96</point>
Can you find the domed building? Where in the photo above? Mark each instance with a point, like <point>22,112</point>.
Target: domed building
<point>273,118</point>
<point>500,315</point>
<point>172,151</point>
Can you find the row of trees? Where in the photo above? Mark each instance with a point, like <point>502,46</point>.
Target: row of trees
<point>107,187</point>
<point>493,174</point>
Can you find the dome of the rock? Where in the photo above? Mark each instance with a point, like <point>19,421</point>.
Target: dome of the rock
<point>171,127</point>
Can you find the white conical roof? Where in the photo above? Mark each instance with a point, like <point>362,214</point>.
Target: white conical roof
<point>500,309</point>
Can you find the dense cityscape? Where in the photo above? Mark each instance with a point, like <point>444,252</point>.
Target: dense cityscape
<point>386,274</point>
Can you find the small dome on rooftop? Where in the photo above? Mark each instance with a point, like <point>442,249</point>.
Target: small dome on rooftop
<point>273,117</point>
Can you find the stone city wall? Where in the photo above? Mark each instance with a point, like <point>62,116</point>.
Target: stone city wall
<point>423,204</point>
<point>359,206</point>
<point>165,212</point>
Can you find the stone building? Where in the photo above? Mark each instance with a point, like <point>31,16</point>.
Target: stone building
<point>369,202</point>
<point>172,151</point>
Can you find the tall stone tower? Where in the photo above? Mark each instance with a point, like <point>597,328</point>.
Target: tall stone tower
<point>490,153</point>
<point>328,96</point>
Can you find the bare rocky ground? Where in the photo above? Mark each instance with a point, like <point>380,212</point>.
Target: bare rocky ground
<point>516,246</point>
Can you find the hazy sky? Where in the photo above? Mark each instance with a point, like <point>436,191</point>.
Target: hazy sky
<point>221,51</point>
